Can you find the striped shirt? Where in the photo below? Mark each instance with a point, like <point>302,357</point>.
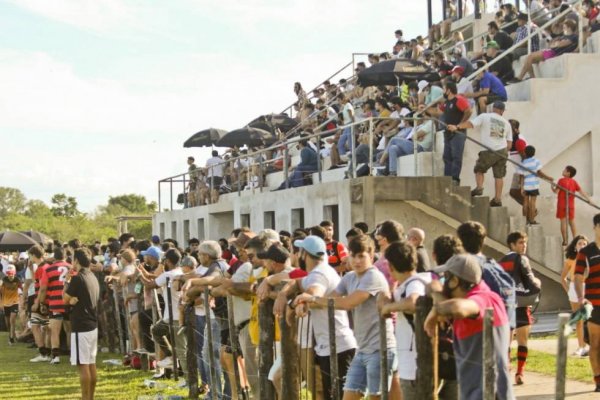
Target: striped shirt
<point>37,277</point>
<point>54,280</point>
<point>588,259</point>
<point>531,181</point>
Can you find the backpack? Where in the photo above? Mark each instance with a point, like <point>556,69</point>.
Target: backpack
<point>446,361</point>
<point>501,283</point>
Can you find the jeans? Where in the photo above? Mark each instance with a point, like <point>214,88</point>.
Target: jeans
<point>454,146</point>
<point>202,352</point>
<point>250,360</point>
<point>296,179</point>
<point>345,141</point>
<point>397,148</point>
<point>364,373</point>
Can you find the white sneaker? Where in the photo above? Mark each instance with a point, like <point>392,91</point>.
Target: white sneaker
<point>40,358</point>
<point>581,352</point>
<point>159,374</point>
<point>55,360</point>
<point>166,362</point>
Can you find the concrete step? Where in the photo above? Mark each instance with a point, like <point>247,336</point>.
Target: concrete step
<point>553,253</point>
<point>333,175</point>
<point>274,179</point>
<point>498,223</point>
<point>535,247</point>
<point>423,164</point>
<point>480,209</point>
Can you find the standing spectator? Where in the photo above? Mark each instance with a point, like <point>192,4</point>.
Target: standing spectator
<point>464,297</point>
<point>516,154</point>
<point>496,136</point>
<point>214,167</point>
<point>444,247</point>
<point>300,93</point>
<point>528,288</point>
<point>192,185</point>
<point>39,311</point>
<point>9,292</point>
<point>416,237</point>
<point>337,254</point>
<point>455,111</point>
<point>348,118</point>
<point>569,184</point>
<point>387,232</point>
<point>403,260</point>
<point>568,282</point>
<point>587,270</point>
<point>83,294</point>
<point>357,292</point>
<point>531,171</point>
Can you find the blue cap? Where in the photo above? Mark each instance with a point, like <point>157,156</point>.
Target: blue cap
<point>155,239</point>
<point>313,245</point>
<point>152,252</point>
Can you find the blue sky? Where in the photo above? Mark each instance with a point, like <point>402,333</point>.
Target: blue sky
<point>98,96</point>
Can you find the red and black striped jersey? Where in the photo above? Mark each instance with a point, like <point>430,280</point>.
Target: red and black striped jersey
<point>37,277</point>
<point>53,278</point>
<point>588,259</point>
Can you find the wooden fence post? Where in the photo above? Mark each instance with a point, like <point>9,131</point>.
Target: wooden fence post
<point>266,324</point>
<point>489,361</point>
<point>290,360</point>
<point>425,363</point>
<point>561,356</point>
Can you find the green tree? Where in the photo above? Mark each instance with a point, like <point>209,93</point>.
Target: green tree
<point>11,201</point>
<point>64,206</point>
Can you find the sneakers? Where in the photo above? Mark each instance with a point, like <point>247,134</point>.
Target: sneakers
<point>581,352</point>
<point>495,203</point>
<point>166,362</point>
<point>40,358</point>
<point>160,374</point>
<point>477,192</point>
<point>519,379</point>
<point>55,360</point>
<point>597,388</point>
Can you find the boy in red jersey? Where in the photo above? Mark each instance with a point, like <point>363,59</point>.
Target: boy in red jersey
<point>587,268</point>
<point>39,311</point>
<point>572,186</point>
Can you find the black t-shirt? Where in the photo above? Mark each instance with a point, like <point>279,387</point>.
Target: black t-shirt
<point>574,39</point>
<point>503,40</point>
<point>84,314</point>
<point>503,68</point>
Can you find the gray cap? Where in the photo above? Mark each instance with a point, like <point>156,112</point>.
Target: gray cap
<point>464,266</point>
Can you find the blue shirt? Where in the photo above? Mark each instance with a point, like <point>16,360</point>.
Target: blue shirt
<point>491,81</point>
<point>530,181</point>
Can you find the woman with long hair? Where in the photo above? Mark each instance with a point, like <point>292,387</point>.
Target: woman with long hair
<point>568,283</point>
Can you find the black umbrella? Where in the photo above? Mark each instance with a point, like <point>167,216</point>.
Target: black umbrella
<point>207,137</point>
<point>274,123</point>
<point>392,72</point>
<point>251,137</point>
<point>39,237</point>
<point>15,241</point>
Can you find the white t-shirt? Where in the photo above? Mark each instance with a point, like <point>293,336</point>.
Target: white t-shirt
<point>161,281</point>
<point>29,275</point>
<point>495,131</point>
<point>405,337</point>
<point>217,166</point>
<point>326,278</point>
<point>347,111</point>
<point>199,310</point>
<point>242,308</point>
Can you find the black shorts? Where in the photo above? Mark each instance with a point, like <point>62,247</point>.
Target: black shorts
<point>14,309</point>
<point>491,98</point>
<point>524,317</point>
<point>595,317</point>
<point>30,301</point>
<point>216,182</point>
<point>532,193</point>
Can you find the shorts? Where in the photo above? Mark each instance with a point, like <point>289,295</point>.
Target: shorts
<point>548,54</point>
<point>61,316</point>
<point>524,317</point>
<point>216,182</point>
<point>595,317</point>
<point>572,293</point>
<point>14,309</point>
<point>491,98</point>
<point>226,343</point>
<point>364,373</point>
<point>492,159</point>
<point>38,319</point>
<point>561,212</point>
<point>84,347</point>
<point>516,182</point>
<point>532,193</point>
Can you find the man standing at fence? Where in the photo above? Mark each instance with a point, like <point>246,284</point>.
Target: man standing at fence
<point>587,268</point>
<point>83,293</point>
<point>464,297</point>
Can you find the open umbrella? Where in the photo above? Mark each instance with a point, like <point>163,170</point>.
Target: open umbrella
<point>393,72</point>
<point>274,123</point>
<point>251,137</point>
<point>207,137</point>
<point>39,237</point>
<point>15,241</point>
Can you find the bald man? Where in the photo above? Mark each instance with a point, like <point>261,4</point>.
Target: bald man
<point>416,237</point>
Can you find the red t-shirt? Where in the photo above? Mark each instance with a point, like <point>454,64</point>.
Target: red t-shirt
<point>337,254</point>
<point>297,273</point>
<point>461,103</point>
<point>485,298</point>
<point>571,185</point>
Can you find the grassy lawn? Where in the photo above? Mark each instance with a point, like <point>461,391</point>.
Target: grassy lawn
<point>20,379</point>
<point>577,368</point>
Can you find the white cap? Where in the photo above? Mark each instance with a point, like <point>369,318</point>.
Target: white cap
<point>422,85</point>
<point>23,256</point>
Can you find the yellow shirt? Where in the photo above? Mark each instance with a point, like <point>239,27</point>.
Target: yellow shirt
<point>253,328</point>
<point>10,292</point>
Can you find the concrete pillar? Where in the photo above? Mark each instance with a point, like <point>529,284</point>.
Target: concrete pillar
<point>553,254</point>
<point>480,209</point>
<point>535,248</point>
<point>498,223</point>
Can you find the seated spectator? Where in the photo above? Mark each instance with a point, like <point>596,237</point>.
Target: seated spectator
<point>539,12</point>
<point>459,43</point>
<point>460,59</point>
<point>510,15</point>
<point>348,117</point>
<point>503,67</point>
<point>566,43</point>
<point>308,164</point>
<point>440,63</point>
<point>413,96</point>
<point>418,140</point>
<point>417,50</point>
<point>398,49</point>
<point>502,38</point>
<point>490,90</point>
<point>429,93</point>
<point>373,59</point>
<point>520,35</point>
<point>464,86</point>
<point>591,12</point>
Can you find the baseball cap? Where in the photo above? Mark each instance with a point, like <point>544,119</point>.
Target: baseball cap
<point>313,245</point>
<point>422,85</point>
<point>155,239</point>
<point>492,44</point>
<point>276,253</point>
<point>152,252</point>
<point>11,270</point>
<point>464,266</point>
<point>23,256</point>
<point>499,105</point>
<point>458,69</point>
<point>243,239</point>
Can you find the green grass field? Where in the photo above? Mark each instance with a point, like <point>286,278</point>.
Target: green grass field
<point>20,379</point>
